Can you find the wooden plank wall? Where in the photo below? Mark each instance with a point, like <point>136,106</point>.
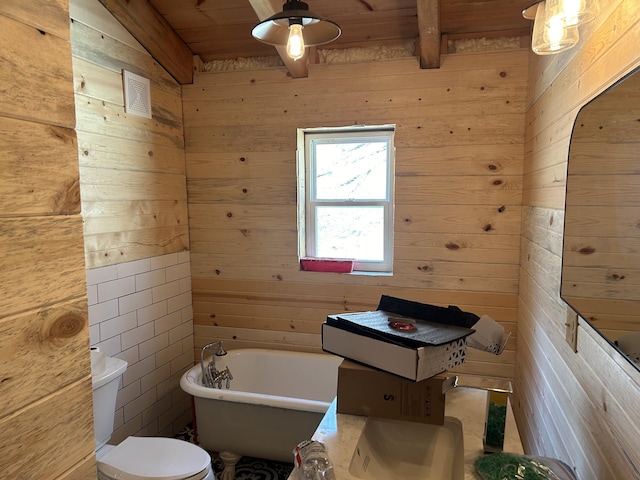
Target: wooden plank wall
<point>134,208</point>
<point>580,407</point>
<point>132,171</point>
<point>45,382</point>
<point>459,143</point>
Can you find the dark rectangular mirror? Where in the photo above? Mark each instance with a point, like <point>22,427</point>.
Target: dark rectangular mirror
<point>601,252</point>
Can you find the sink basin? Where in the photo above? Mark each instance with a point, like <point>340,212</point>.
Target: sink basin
<point>408,450</point>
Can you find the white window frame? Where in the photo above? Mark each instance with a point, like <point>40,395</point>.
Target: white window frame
<point>306,189</point>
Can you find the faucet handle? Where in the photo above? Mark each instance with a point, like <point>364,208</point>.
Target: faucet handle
<point>229,377</point>
<point>221,352</point>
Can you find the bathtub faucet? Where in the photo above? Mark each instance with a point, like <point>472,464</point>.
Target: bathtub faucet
<point>223,375</point>
<point>210,374</point>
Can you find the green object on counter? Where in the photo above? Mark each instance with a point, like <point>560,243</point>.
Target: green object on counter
<point>496,421</point>
<point>511,466</point>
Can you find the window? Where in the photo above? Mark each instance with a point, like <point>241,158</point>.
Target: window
<point>348,195</point>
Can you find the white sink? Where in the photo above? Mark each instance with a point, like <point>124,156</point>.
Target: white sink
<point>408,450</point>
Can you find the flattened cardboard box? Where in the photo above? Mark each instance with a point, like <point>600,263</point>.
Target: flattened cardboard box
<point>366,391</point>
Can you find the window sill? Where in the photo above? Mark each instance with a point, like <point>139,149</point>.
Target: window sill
<point>373,274</point>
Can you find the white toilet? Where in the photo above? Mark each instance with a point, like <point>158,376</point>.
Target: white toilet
<point>137,458</point>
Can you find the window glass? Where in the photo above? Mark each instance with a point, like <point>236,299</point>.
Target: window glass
<point>350,170</point>
<point>350,232</point>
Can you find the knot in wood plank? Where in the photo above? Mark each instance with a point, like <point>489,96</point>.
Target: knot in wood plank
<point>66,326</point>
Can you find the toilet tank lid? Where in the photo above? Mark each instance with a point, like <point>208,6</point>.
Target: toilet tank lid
<point>144,458</point>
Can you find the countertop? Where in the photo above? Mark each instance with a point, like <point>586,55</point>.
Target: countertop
<point>340,432</point>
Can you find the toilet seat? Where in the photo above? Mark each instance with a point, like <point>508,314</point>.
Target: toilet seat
<point>155,458</point>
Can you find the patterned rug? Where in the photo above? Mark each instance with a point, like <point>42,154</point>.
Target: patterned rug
<point>247,468</point>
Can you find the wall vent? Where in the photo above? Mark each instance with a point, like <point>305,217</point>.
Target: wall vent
<point>137,95</point>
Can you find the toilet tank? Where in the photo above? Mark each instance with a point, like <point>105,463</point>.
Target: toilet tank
<point>105,373</point>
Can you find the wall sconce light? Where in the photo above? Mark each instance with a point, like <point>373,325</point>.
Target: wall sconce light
<point>555,26</point>
<point>297,28</point>
<point>550,34</point>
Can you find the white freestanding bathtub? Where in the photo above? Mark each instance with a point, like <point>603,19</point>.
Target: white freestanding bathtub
<point>276,400</point>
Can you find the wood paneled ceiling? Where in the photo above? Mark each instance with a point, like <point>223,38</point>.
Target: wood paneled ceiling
<point>220,30</point>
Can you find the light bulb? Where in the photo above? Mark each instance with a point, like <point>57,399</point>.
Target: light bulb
<point>555,32</point>
<point>295,44</point>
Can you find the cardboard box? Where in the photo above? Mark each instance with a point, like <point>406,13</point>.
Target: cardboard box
<point>366,391</point>
<point>413,363</point>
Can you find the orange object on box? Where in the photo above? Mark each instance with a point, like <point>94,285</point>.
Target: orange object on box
<point>334,265</point>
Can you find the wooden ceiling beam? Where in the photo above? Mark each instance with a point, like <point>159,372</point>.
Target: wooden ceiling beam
<point>155,34</point>
<point>264,9</point>
<point>429,33</point>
